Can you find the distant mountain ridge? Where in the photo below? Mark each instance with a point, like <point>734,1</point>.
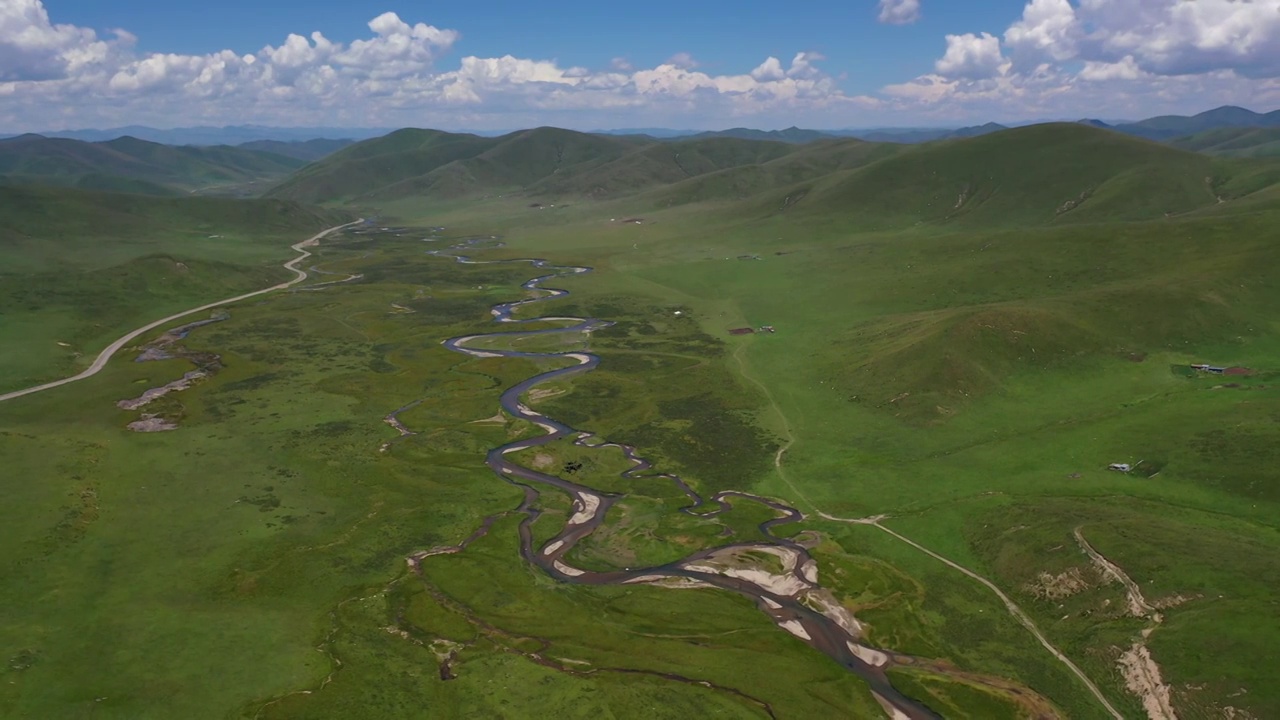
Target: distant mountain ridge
<point>1163,127</point>
<point>790,135</point>
<point>548,161</point>
<point>128,164</point>
<point>911,137</point>
<point>795,135</point>
<point>1167,127</point>
<point>551,162</point>
<point>1041,174</point>
<point>650,132</point>
<point>308,150</point>
<point>208,135</point>
<point>1250,142</point>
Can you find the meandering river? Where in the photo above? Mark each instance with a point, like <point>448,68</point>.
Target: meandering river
<point>787,598</point>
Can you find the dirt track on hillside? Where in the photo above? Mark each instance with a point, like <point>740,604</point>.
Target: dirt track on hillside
<point>105,356</point>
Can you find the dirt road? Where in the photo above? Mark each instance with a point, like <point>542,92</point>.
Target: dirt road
<point>1017,613</point>
<point>107,353</point>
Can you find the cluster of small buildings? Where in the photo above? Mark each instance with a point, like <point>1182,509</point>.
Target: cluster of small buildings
<point>1215,370</point>
<point>748,331</point>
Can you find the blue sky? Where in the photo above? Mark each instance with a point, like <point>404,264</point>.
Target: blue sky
<point>723,36</point>
<point>707,64</point>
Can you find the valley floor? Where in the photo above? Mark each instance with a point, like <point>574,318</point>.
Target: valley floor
<point>943,412</point>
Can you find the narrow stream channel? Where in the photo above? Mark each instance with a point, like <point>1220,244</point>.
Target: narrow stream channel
<point>829,632</point>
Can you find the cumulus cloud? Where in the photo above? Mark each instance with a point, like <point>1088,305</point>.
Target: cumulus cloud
<point>1059,58</point>
<point>398,49</point>
<point>1047,31</point>
<point>1099,90</point>
<point>1165,37</point>
<point>1173,37</point>
<point>802,65</point>
<point>972,57</point>
<point>1119,57</point>
<point>56,75</point>
<point>899,12</point>
<point>770,69</point>
<point>32,48</point>
<point>682,60</point>
<point>1125,69</point>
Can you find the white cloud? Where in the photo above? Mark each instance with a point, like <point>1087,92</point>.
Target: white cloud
<point>899,12</point>
<point>511,70</point>
<point>971,57</point>
<point>1100,90</point>
<point>1126,69</point>
<point>292,59</point>
<point>770,69</point>
<point>802,65</point>
<point>682,60</point>
<point>1166,37</point>
<point>398,50</point>
<point>1047,31</point>
<point>1060,58</point>
<point>32,48</point>
<point>1117,58</point>
<point>61,75</point>
<point>1172,37</point>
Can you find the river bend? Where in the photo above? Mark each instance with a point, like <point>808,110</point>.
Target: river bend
<point>788,600</point>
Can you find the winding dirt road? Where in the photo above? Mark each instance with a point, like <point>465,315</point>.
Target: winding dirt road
<point>1018,615</point>
<point>105,356</point>
<point>875,520</point>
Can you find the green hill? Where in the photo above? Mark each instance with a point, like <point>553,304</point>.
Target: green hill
<point>1233,142</point>
<point>661,164</point>
<point>544,162</point>
<point>413,162</point>
<point>128,164</point>
<point>1049,173</point>
<point>81,268</point>
<point>552,163</point>
<point>746,180</point>
<point>366,167</point>
<point>68,227</point>
<point>1043,174</point>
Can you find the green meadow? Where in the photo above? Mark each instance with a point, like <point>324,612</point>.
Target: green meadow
<point>79,269</point>
<point>966,335</point>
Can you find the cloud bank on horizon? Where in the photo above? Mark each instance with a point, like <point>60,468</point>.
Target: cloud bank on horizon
<point>1109,58</point>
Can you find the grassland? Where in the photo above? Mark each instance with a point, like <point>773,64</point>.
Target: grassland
<point>974,384</point>
<point>969,372</point>
<point>1234,142</point>
<point>82,268</point>
<point>274,523</point>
